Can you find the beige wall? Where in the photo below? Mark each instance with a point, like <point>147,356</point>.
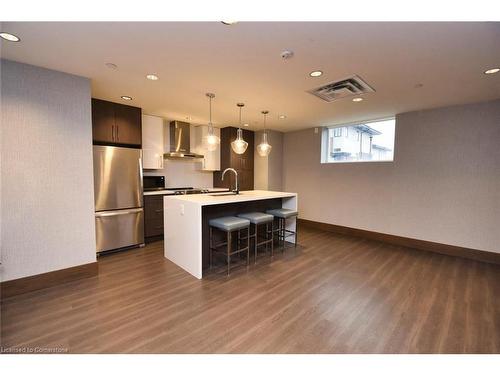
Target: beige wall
<point>443,186</point>
<point>268,171</point>
<point>47,201</point>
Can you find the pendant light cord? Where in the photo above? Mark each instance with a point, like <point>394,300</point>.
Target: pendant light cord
<point>265,117</point>
<point>210,125</point>
<point>210,111</point>
<point>240,105</point>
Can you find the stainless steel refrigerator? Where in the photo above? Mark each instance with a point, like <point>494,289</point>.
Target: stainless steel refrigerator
<point>119,213</point>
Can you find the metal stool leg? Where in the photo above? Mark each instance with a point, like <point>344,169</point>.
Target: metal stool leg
<point>211,245</point>
<point>248,245</point>
<point>228,252</point>
<point>283,227</point>
<point>296,230</point>
<point>255,243</point>
<point>272,240</point>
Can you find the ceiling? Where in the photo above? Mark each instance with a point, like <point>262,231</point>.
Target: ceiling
<point>242,62</point>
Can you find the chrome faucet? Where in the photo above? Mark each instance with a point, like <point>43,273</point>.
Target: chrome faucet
<point>237,190</point>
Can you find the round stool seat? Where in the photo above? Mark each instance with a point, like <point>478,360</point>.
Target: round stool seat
<point>284,213</point>
<point>257,218</point>
<point>229,223</point>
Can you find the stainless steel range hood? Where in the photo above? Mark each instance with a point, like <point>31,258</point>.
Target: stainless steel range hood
<point>180,142</point>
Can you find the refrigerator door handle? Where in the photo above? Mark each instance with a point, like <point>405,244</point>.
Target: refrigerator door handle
<point>119,212</point>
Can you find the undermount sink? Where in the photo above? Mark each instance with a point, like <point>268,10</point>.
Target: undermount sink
<point>222,194</point>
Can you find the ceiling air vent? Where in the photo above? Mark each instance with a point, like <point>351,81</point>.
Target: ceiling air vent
<point>346,87</point>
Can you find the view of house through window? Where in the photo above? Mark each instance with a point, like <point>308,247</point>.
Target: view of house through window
<point>367,141</point>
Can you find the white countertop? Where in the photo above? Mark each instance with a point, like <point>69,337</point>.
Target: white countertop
<point>159,192</point>
<point>220,198</point>
<point>170,192</point>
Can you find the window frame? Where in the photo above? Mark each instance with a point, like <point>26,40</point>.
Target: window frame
<point>325,142</point>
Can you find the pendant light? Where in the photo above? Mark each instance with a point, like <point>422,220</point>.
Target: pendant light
<point>239,145</point>
<point>211,140</point>
<point>264,148</point>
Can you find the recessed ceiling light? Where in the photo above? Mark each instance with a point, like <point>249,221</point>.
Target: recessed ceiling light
<point>152,77</point>
<point>229,23</point>
<point>316,73</point>
<point>125,97</point>
<point>9,37</point>
<point>111,66</point>
<point>492,71</point>
<point>282,117</point>
<point>245,125</point>
<point>357,100</point>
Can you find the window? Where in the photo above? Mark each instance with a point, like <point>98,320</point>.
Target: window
<point>366,141</point>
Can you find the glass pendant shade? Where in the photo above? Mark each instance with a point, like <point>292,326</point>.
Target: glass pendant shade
<point>211,140</point>
<point>239,145</point>
<point>264,148</point>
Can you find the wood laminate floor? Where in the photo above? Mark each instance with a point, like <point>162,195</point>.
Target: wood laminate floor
<point>334,294</point>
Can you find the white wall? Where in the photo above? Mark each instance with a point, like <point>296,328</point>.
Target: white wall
<point>268,171</point>
<point>47,202</point>
<point>443,186</point>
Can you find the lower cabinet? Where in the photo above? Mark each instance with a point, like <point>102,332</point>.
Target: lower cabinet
<point>153,217</point>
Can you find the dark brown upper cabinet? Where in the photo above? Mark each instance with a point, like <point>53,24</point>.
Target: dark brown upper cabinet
<point>116,124</point>
<point>243,163</point>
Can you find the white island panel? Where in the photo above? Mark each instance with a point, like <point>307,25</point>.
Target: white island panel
<point>182,234</point>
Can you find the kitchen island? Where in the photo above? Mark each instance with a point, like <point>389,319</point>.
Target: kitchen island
<point>186,239</point>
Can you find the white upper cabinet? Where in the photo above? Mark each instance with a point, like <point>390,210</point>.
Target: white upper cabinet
<point>211,160</point>
<point>152,142</point>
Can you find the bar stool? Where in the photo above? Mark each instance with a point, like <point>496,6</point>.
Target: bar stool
<point>256,219</point>
<point>229,224</point>
<point>282,214</point>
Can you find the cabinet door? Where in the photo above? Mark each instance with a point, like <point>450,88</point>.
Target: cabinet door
<point>230,159</point>
<point>103,121</point>
<point>248,156</point>
<point>152,142</point>
<point>128,125</point>
<point>245,180</point>
<point>151,159</point>
<point>153,215</point>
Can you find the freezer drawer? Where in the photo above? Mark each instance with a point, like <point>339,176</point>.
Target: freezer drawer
<point>120,228</point>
